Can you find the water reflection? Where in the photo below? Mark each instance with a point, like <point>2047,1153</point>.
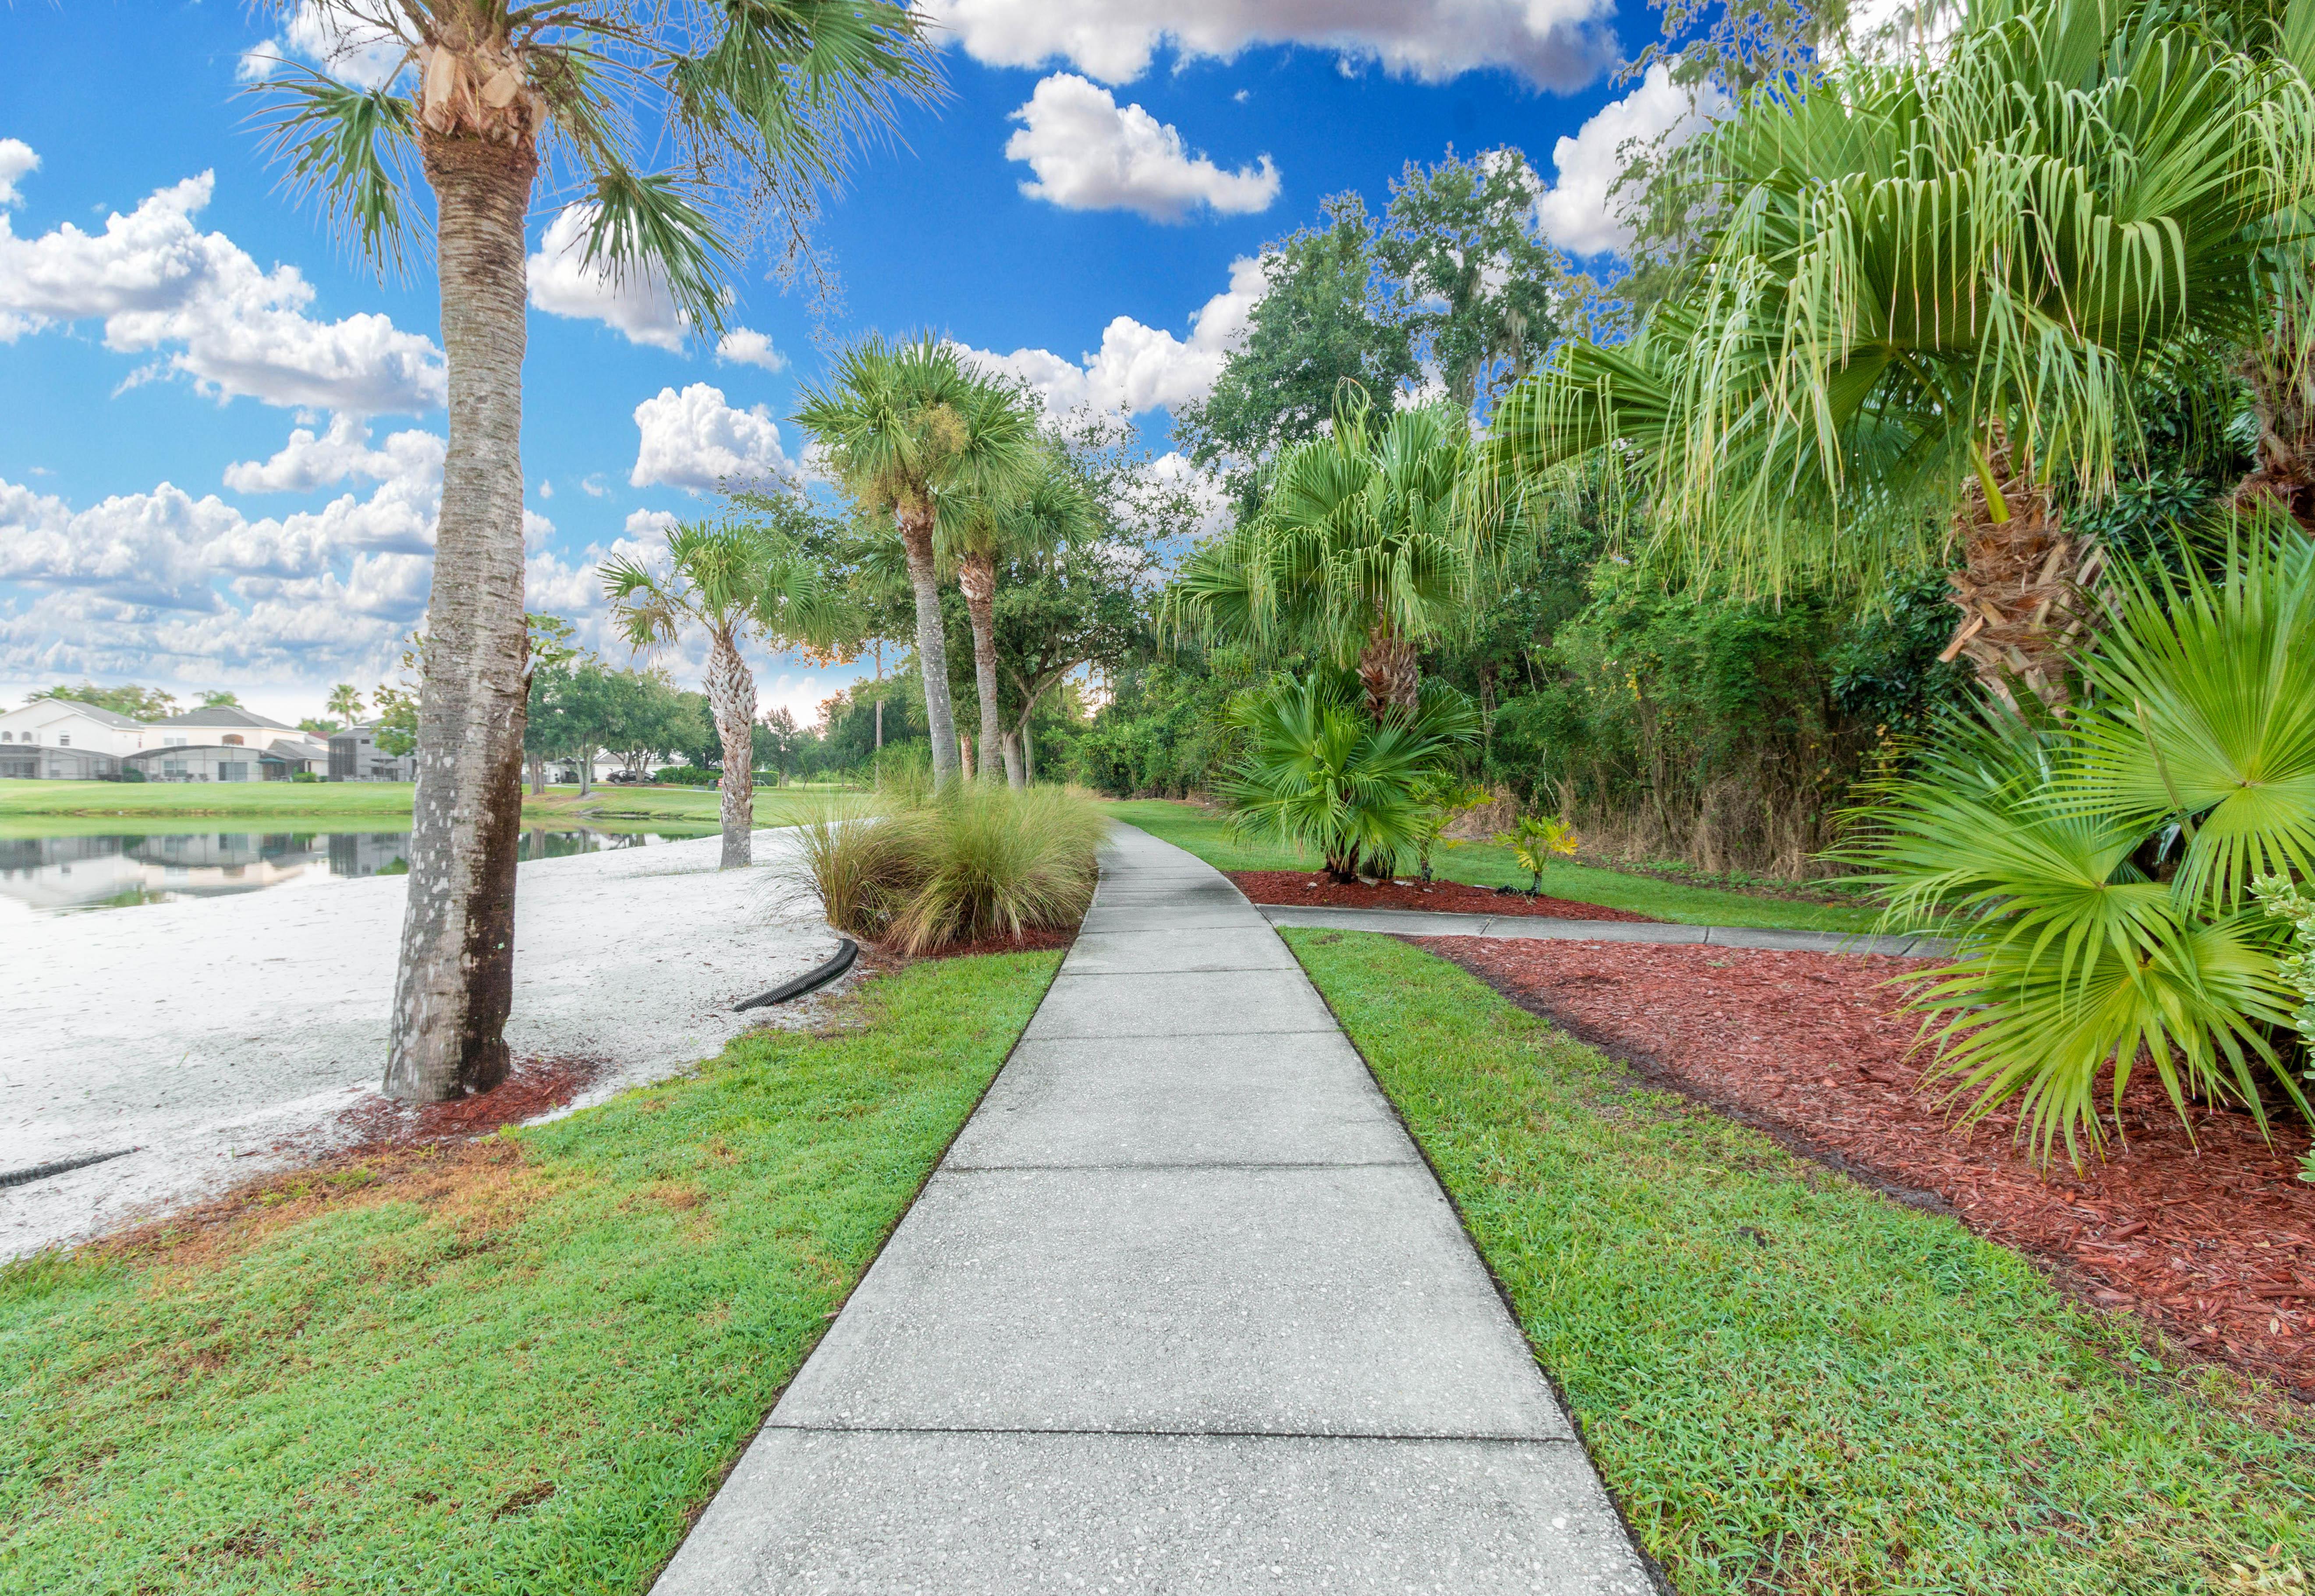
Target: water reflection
<point>60,873</point>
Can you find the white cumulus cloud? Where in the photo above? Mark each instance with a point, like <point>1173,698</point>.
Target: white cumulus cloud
<point>16,159</point>
<point>1139,367</point>
<point>638,302</point>
<point>1553,44</point>
<point>158,283</point>
<point>1089,153</point>
<point>364,55</point>
<point>1576,212</point>
<point>744,346</point>
<point>694,439</point>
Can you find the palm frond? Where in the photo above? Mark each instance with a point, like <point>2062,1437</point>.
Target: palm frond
<point>646,227</point>
<point>344,148</point>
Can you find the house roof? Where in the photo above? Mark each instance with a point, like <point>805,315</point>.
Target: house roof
<point>239,750</point>
<point>97,712</point>
<point>224,714</point>
<point>296,748</point>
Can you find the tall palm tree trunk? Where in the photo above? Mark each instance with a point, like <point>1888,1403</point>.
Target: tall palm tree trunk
<point>455,980</point>
<point>731,695</point>
<point>1389,669</point>
<point>2023,589</point>
<point>932,647</point>
<point>976,576</point>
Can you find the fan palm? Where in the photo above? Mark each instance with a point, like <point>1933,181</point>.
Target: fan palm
<point>757,104</point>
<point>1365,547</point>
<point>345,703</point>
<point>1051,510</point>
<point>2102,871</point>
<point>1934,286</point>
<point>1318,774</point>
<point>913,435</point>
<point>729,580</point>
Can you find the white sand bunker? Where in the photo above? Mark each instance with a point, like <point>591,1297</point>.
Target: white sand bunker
<point>224,1037</point>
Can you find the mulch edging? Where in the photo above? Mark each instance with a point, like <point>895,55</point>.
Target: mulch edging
<point>533,1086</point>
<point>1299,888</point>
<point>2210,1235</point>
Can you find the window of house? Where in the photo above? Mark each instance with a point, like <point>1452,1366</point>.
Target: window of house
<point>230,740</point>
<point>173,742</point>
<point>65,741</point>
<point>7,737</point>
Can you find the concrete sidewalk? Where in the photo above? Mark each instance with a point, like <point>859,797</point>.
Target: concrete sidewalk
<point>1183,1310</point>
<point>1420,922</point>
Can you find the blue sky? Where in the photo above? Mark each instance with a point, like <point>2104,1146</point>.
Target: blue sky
<point>222,434</point>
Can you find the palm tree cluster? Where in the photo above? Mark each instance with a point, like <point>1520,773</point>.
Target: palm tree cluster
<point>950,466</point>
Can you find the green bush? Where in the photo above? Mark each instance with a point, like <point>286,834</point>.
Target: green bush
<point>299,776</point>
<point>1318,774</point>
<point>975,860</point>
<point>687,776</point>
<point>2103,868</point>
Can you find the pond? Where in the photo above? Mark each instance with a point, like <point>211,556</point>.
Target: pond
<point>116,870</point>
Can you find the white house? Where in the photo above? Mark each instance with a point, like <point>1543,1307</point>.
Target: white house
<point>226,743</point>
<point>63,740</point>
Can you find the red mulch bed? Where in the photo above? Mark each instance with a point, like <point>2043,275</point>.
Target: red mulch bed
<point>1293,886</point>
<point>2211,1238</point>
<point>533,1086</point>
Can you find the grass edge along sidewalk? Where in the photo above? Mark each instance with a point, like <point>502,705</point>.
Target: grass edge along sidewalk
<point>1488,865</point>
<point>1794,1384</point>
<point>520,1364</point>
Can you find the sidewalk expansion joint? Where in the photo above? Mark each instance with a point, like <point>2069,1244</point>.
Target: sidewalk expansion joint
<point>1405,1163</point>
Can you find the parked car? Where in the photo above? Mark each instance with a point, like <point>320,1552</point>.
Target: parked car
<point>625,778</point>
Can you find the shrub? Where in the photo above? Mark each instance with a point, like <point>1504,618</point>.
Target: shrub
<point>687,776</point>
<point>1534,840</point>
<point>1318,774</point>
<point>306,775</point>
<point>2103,869</point>
<point>973,860</point>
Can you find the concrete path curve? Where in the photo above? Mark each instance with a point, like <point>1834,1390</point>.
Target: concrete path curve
<point>1182,1310</point>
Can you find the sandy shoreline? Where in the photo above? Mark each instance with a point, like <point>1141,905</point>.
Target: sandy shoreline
<point>224,1037</point>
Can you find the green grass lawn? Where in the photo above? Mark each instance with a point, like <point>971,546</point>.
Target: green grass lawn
<point>1791,1383</point>
<point>1484,863</point>
<point>327,806</point>
<point>516,1368</point>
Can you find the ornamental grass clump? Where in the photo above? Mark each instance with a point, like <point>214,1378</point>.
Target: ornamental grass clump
<point>971,863</point>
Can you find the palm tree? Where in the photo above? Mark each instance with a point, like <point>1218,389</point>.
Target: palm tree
<point>757,104</point>
<point>344,703</point>
<point>729,580</point>
<point>1053,509</point>
<point>908,430</point>
<point>1367,546</point>
<point>1933,288</point>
